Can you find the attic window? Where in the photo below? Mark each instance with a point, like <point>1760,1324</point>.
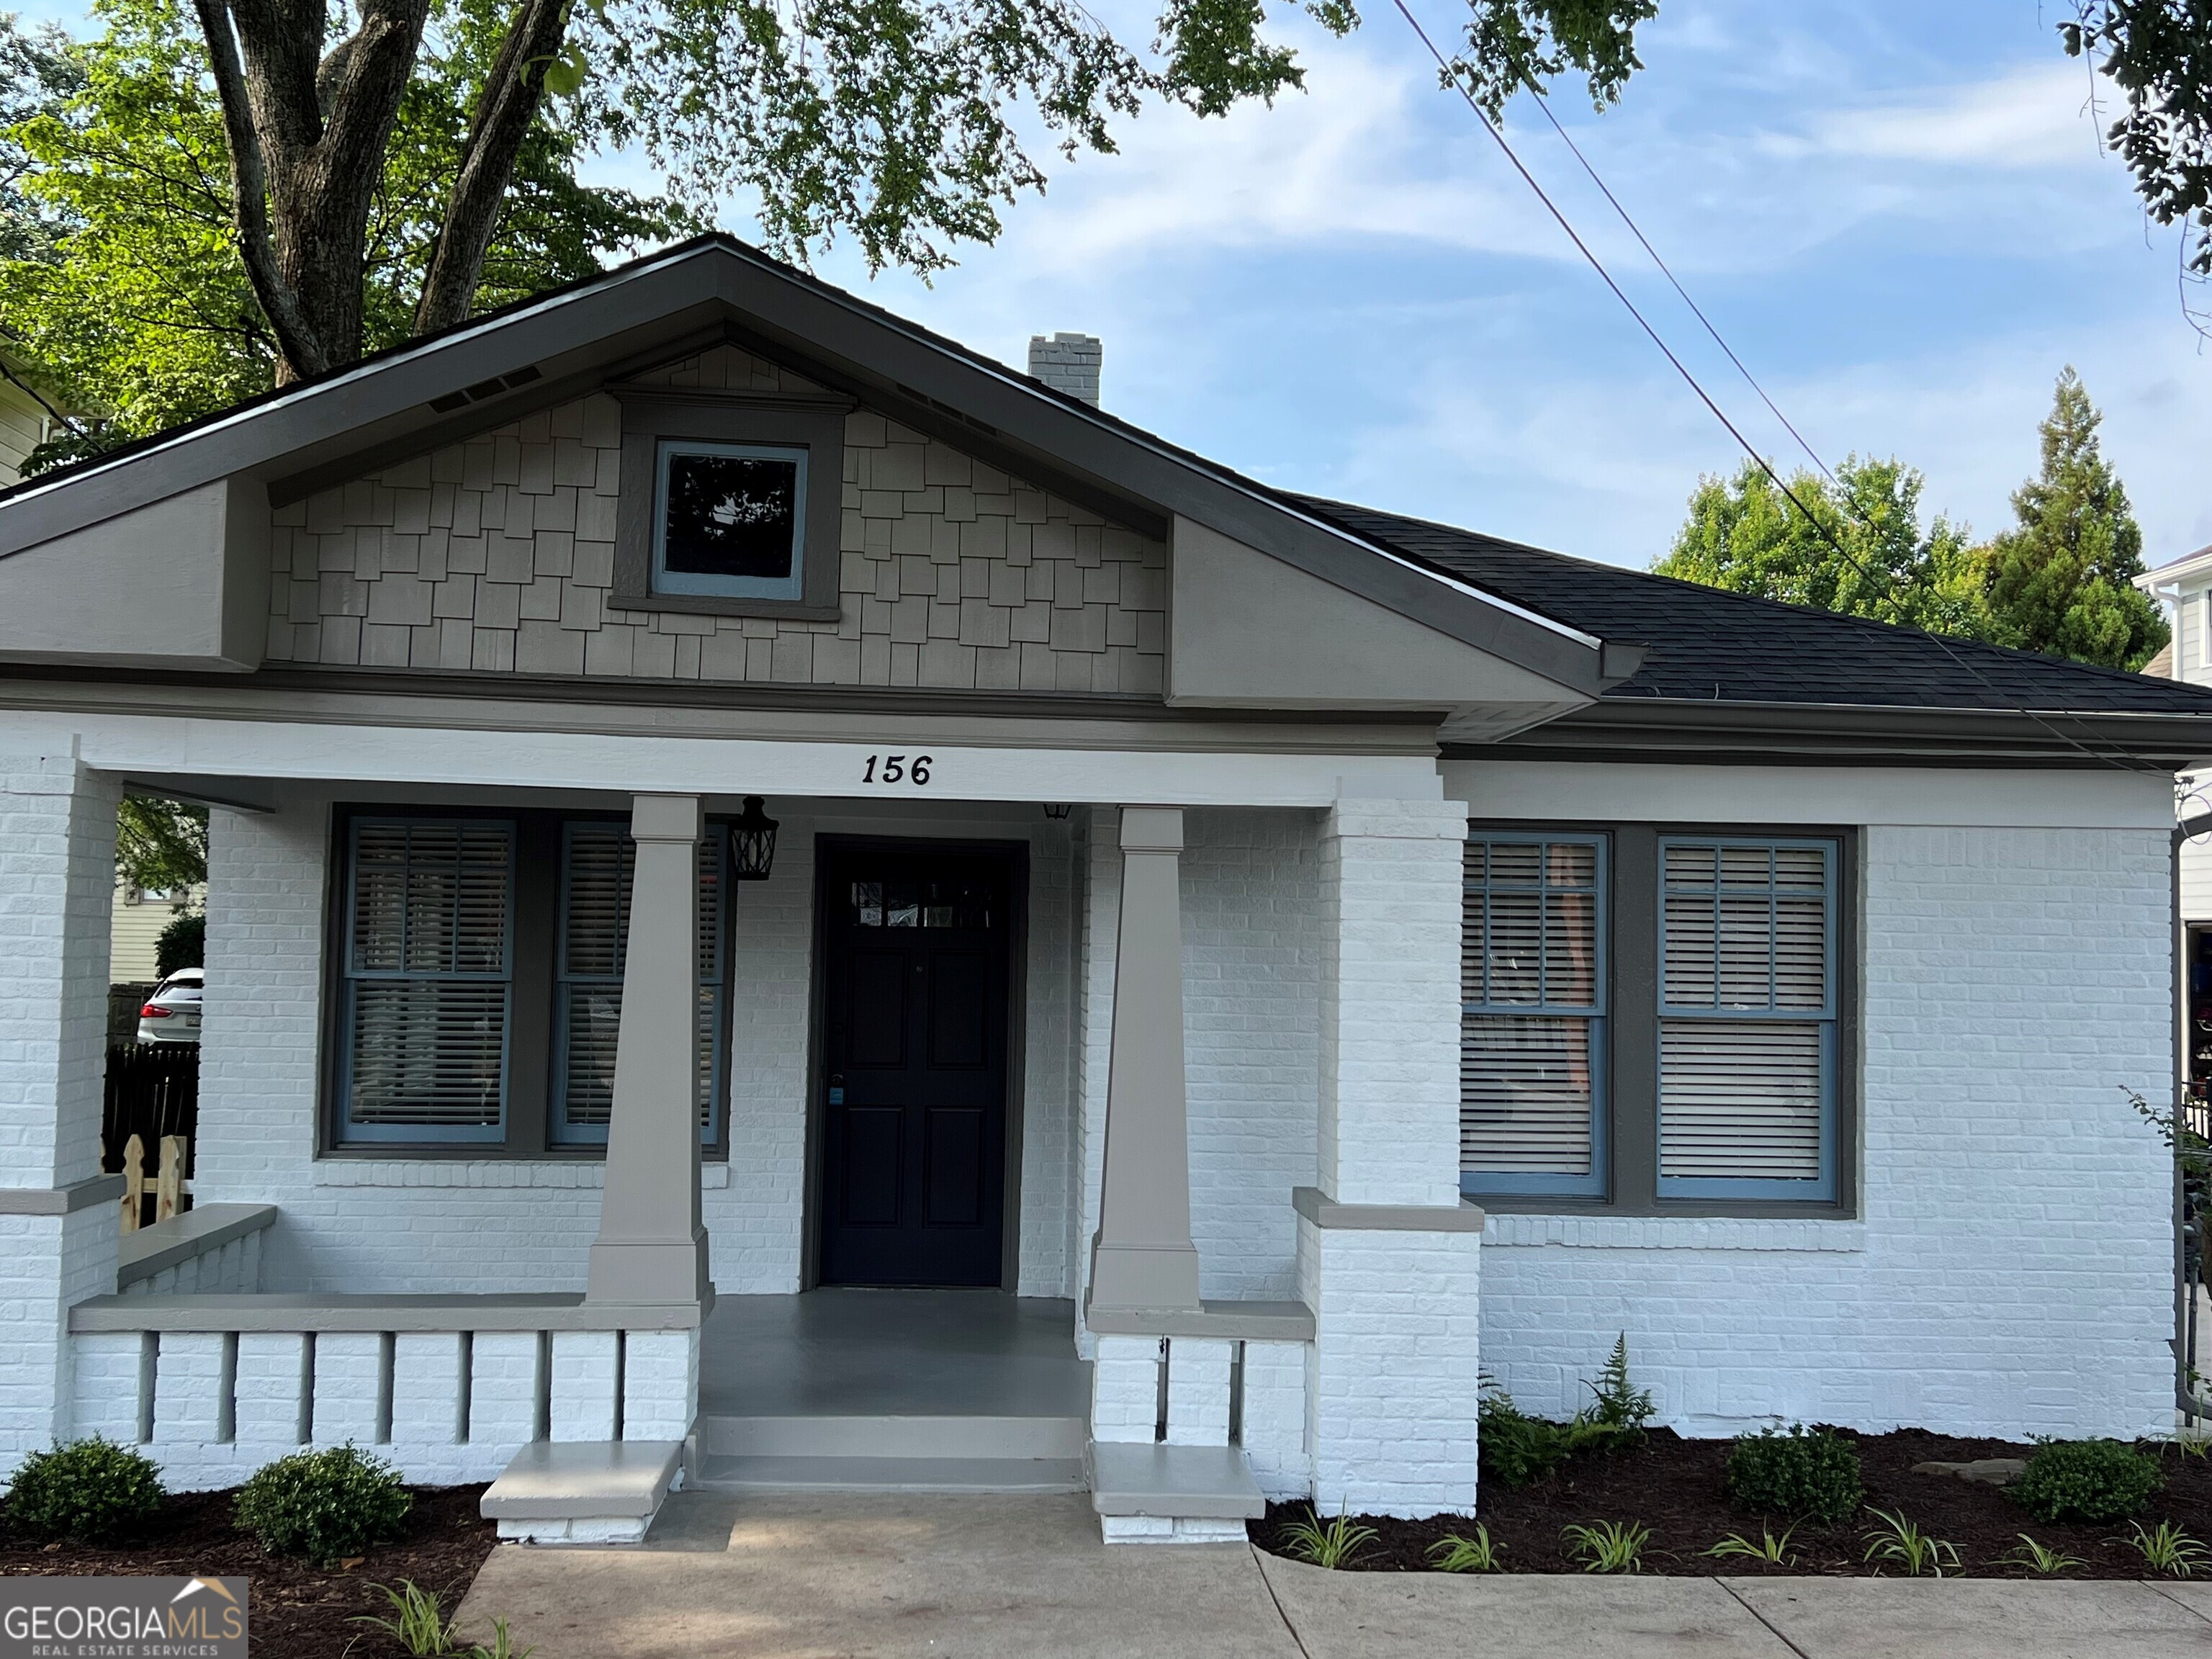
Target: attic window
<point>730,519</point>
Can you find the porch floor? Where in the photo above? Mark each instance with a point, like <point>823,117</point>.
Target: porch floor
<point>892,1354</point>
<point>892,1390</point>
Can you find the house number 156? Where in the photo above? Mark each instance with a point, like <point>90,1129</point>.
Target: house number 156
<point>898,769</point>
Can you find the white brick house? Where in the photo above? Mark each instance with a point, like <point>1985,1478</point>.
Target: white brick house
<point>1242,967</point>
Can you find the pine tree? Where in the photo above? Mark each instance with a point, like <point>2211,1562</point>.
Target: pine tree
<point>2062,582</point>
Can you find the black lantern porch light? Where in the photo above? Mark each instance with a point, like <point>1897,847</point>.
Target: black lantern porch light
<point>752,842</point>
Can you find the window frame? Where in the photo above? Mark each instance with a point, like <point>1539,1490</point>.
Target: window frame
<point>666,583</point>
<point>1484,1184</point>
<point>1828,1019</point>
<point>534,905</point>
<point>654,416</point>
<point>1631,1074</point>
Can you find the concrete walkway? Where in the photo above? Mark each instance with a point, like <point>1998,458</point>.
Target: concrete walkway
<point>810,1577</point>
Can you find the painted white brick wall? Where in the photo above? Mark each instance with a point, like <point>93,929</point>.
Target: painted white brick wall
<point>398,1225</point>
<point>349,1371</point>
<point>1394,1370</point>
<point>1124,1389</point>
<point>1199,1370</point>
<point>57,877</point>
<point>1275,1418</point>
<point>583,1385</point>
<point>2013,1271</point>
<point>661,1384</point>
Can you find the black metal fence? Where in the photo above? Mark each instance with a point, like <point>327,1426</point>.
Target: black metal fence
<point>153,1091</point>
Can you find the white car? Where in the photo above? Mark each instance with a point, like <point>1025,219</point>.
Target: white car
<point>172,1014</point>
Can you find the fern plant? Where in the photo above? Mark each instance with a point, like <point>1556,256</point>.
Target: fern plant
<point>1452,1554</point>
<point>1332,1546</point>
<point>1619,1404</point>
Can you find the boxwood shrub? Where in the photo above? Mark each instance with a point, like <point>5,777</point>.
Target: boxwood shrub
<point>1797,1471</point>
<point>323,1505</point>
<point>93,1490</point>
<point>2093,1480</point>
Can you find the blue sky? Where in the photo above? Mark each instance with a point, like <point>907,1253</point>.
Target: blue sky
<point>1897,212</point>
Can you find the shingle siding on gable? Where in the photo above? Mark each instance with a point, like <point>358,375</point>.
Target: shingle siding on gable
<point>497,556</point>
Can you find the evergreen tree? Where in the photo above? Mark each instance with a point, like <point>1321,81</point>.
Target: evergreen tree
<point>2062,582</point>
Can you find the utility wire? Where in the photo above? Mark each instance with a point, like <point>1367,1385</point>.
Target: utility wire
<point>1879,583</point>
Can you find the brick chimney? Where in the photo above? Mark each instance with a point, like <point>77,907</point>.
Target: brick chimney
<point>1067,362</point>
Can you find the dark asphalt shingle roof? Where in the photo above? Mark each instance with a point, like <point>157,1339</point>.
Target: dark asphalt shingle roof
<point>1710,646</point>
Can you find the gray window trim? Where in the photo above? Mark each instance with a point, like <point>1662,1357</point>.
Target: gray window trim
<point>533,935</point>
<point>814,424</point>
<point>1632,1026</point>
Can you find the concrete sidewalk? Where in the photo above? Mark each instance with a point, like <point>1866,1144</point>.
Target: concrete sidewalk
<point>811,1577</point>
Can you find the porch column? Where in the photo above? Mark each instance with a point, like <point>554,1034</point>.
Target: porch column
<point>1142,1255</point>
<point>58,1223</point>
<point>1388,1252</point>
<point>652,1245</point>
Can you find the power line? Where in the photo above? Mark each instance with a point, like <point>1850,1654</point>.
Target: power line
<point>1879,584</point>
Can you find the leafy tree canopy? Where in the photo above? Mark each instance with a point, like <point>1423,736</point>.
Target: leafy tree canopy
<point>2159,54</point>
<point>1745,535</point>
<point>2062,580</point>
<point>120,274</point>
<point>160,844</point>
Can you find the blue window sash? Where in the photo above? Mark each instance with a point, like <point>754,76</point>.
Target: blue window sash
<point>665,580</point>
<point>352,1134</point>
<point>1523,1183</point>
<point>1822,1188</point>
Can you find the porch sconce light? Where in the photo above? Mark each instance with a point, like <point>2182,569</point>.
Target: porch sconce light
<point>752,842</point>
<point>1056,809</point>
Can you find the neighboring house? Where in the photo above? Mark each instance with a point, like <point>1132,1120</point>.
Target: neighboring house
<point>1323,957</point>
<point>139,915</point>
<point>25,421</point>
<point>2184,587</point>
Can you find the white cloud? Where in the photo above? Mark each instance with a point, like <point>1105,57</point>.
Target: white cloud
<point>2033,118</point>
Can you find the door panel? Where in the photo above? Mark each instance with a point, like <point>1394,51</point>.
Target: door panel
<point>917,969</point>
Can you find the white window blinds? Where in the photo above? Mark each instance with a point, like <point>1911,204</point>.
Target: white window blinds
<point>427,978</point>
<point>1533,1014</point>
<point>596,865</point>
<point>1747,1026</point>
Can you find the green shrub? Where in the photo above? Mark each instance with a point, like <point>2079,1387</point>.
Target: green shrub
<point>182,944</point>
<point>93,1490</point>
<point>323,1505</point>
<point>2094,1481</point>
<point>1812,1473</point>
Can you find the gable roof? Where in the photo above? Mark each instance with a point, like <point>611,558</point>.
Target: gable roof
<point>493,369</point>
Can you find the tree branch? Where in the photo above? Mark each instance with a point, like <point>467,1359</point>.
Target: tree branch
<point>301,350</point>
<point>512,91</point>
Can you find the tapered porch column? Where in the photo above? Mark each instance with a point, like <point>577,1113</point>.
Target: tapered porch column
<point>652,1245</point>
<point>1142,1255</point>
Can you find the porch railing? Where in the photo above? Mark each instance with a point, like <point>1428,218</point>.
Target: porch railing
<point>448,1388</point>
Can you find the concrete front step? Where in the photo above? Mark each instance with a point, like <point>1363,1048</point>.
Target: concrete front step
<point>1145,1492</point>
<point>593,1492</point>
<point>759,1473</point>
<point>932,1437</point>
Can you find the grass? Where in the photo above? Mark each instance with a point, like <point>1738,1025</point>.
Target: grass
<point>1607,1546</point>
<point>1898,1542</point>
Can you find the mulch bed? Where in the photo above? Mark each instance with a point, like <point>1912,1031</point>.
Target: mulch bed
<point>297,1611</point>
<point>1675,1487</point>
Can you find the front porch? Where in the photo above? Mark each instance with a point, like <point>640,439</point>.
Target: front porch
<point>1200,1011</point>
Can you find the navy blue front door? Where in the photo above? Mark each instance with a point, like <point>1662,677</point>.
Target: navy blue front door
<point>914,1065</point>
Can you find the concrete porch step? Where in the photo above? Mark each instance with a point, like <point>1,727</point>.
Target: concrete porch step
<point>758,1472</point>
<point>932,1437</point>
<point>1150,1493</point>
<point>593,1492</point>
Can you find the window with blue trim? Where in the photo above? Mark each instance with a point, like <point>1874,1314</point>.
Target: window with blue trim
<point>1748,1011</point>
<point>597,860</point>
<point>1533,1016</point>
<point>429,977</point>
